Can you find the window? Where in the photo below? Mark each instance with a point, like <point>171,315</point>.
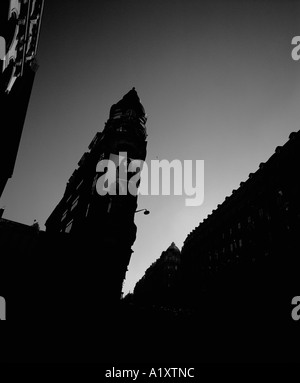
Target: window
<point>231,247</point>
<point>87,210</point>
<point>80,183</point>
<point>64,215</point>
<point>261,212</point>
<point>117,113</point>
<point>130,113</point>
<point>239,225</point>
<point>95,183</point>
<point>75,203</point>
<point>240,243</point>
<point>109,205</point>
<point>68,227</point>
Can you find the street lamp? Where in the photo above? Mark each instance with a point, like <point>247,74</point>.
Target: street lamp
<point>146,212</point>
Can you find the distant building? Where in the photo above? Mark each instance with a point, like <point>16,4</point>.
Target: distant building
<point>20,24</point>
<point>18,244</point>
<point>102,227</point>
<point>159,285</point>
<point>17,237</point>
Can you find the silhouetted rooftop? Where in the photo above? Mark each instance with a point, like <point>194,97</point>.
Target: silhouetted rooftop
<point>173,247</point>
<point>131,101</point>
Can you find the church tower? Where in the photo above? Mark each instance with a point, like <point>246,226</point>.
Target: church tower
<point>100,226</point>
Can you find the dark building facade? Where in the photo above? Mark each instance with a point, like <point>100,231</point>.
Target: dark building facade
<point>240,266</point>
<point>20,24</point>
<point>65,283</point>
<point>22,270</point>
<point>159,285</point>
<point>239,271</point>
<point>102,227</point>
<point>17,237</point>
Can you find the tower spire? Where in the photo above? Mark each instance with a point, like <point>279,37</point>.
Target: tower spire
<point>130,101</point>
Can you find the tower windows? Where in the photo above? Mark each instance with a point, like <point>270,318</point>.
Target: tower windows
<point>75,203</point>
<point>117,114</point>
<point>130,114</point>
<point>69,226</point>
<point>80,183</point>
<point>94,183</point>
<point>87,210</point>
<point>64,215</point>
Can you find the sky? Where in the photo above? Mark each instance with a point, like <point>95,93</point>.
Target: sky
<point>216,79</point>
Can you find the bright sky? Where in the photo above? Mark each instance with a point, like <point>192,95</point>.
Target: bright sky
<point>217,81</point>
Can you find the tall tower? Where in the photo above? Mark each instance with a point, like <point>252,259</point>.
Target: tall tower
<point>101,228</point>
<point>20,23</point>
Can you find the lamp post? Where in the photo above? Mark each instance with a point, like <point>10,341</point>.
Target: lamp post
<point>146,212</point>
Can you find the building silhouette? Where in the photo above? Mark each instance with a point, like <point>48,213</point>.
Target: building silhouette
<point>20,24</point>
<point>238,273</point>
<point>160,282</point>
<point>67,280</point>
<point>102,227</point>
<point>17,237</point>
<point>247,247</point>
<point>20,247</point>
<point>240,266</point>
